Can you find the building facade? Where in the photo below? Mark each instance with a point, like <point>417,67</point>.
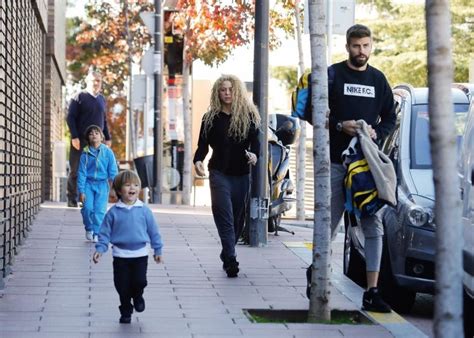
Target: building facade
<point>31,76</point>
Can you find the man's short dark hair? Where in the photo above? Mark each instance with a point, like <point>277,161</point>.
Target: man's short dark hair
<point>357,31</point>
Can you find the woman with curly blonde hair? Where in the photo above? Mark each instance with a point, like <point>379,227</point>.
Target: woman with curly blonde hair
<point>230,126</point>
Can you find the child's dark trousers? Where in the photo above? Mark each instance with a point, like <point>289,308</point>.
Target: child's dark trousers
<point>129,280</point>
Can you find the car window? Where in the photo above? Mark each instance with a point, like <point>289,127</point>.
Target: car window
<point>419,134</point>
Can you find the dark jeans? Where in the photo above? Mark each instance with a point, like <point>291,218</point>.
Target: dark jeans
<point>228,197</point>
<point>129,280</point>
<point>74,157</point>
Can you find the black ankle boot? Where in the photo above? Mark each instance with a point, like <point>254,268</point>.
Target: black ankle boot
<point>232,267</point>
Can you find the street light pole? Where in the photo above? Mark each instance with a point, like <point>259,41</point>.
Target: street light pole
<point>158,122</point>
<point>259,199</point>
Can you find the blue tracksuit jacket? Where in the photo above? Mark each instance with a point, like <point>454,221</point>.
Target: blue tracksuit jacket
<point>96,167</point>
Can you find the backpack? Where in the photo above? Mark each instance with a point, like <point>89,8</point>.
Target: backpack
<point>300,104</point>
<point>361,193</point>
<point>301,97</point>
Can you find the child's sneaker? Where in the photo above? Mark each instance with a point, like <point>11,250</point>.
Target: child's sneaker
<point>372,301</point>
<point>95,238</point>
<point>125,319</point>
<point>89,235</point>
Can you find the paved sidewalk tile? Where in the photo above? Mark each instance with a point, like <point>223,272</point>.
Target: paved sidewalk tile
<point>55,289</point>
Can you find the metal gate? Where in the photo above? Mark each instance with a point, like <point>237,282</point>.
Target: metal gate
<point>21,102</point>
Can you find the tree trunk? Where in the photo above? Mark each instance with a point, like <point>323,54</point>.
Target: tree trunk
<point>320,284</point>
<point>187,181</point>
<point>301,154</point>
<point>448,288</point>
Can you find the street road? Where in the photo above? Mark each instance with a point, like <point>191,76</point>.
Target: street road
<point>422,314</point>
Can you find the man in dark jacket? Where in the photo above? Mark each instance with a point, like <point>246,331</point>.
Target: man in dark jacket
<point>358,91</point>
<point>87,108</point>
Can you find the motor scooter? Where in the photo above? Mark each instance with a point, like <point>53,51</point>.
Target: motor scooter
<point>283,131</point>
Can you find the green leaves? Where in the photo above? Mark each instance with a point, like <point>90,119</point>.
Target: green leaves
<point>400,41</point>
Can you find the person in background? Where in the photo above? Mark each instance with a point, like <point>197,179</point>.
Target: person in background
<point>230,127</point>
<point>129,225</point>
<point>87,108</point>
<point>97,167</point>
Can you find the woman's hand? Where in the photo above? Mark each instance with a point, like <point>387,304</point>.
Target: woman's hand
<point>157,259</point>
<point>82,198</point>
<point>199,167</point>
<point>251,157</point>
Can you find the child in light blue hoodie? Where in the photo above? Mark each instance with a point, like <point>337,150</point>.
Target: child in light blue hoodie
<point>129,225</point>
<point>97,167</point>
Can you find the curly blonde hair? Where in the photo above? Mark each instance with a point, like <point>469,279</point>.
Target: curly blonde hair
<point>244,112</point>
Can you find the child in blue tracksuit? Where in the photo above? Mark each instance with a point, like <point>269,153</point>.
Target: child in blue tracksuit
<point>129,225</point>
<point>97,167</point>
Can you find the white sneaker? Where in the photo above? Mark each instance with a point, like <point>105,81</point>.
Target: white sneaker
<point>95,238</point>
<point>89,235</point>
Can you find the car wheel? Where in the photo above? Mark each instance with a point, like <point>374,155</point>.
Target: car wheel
<point>468,315</point>
<point>399,298</point>
<point>353,264</point>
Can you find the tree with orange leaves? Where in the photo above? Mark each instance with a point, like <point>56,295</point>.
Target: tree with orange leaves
<point>211,31</point>
<point>100,41</point>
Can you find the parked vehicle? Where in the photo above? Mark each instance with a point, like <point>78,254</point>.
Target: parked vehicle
<point>409,241</point>
<point>467,192</point>
<point>283,131</point>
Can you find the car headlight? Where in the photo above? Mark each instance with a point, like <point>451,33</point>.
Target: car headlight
<point>419,216</point>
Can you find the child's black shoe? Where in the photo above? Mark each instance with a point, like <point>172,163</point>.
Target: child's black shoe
<point>139,304</point>
<point>125,319</point>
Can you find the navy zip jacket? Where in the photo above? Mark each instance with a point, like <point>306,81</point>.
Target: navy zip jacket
<point>228,155</point>
<point>358,95</point>
<point>85,110</point>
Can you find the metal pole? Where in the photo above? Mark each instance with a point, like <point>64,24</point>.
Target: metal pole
<point>259,190</point>
<point>130,143</point>
<point>128,110</point>
<point>158,128</point>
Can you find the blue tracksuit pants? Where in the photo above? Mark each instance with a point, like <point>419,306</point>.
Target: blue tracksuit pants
<point>95,205</point>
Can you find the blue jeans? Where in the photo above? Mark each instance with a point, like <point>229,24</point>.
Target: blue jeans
<point>228,197</point>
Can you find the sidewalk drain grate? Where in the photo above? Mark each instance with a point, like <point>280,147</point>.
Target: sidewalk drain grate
<point>301,316</point>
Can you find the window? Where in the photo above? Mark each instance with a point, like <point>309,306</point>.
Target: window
<point>419,134</point>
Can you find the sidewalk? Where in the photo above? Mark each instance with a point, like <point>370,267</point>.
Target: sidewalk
<point>56,291</point>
